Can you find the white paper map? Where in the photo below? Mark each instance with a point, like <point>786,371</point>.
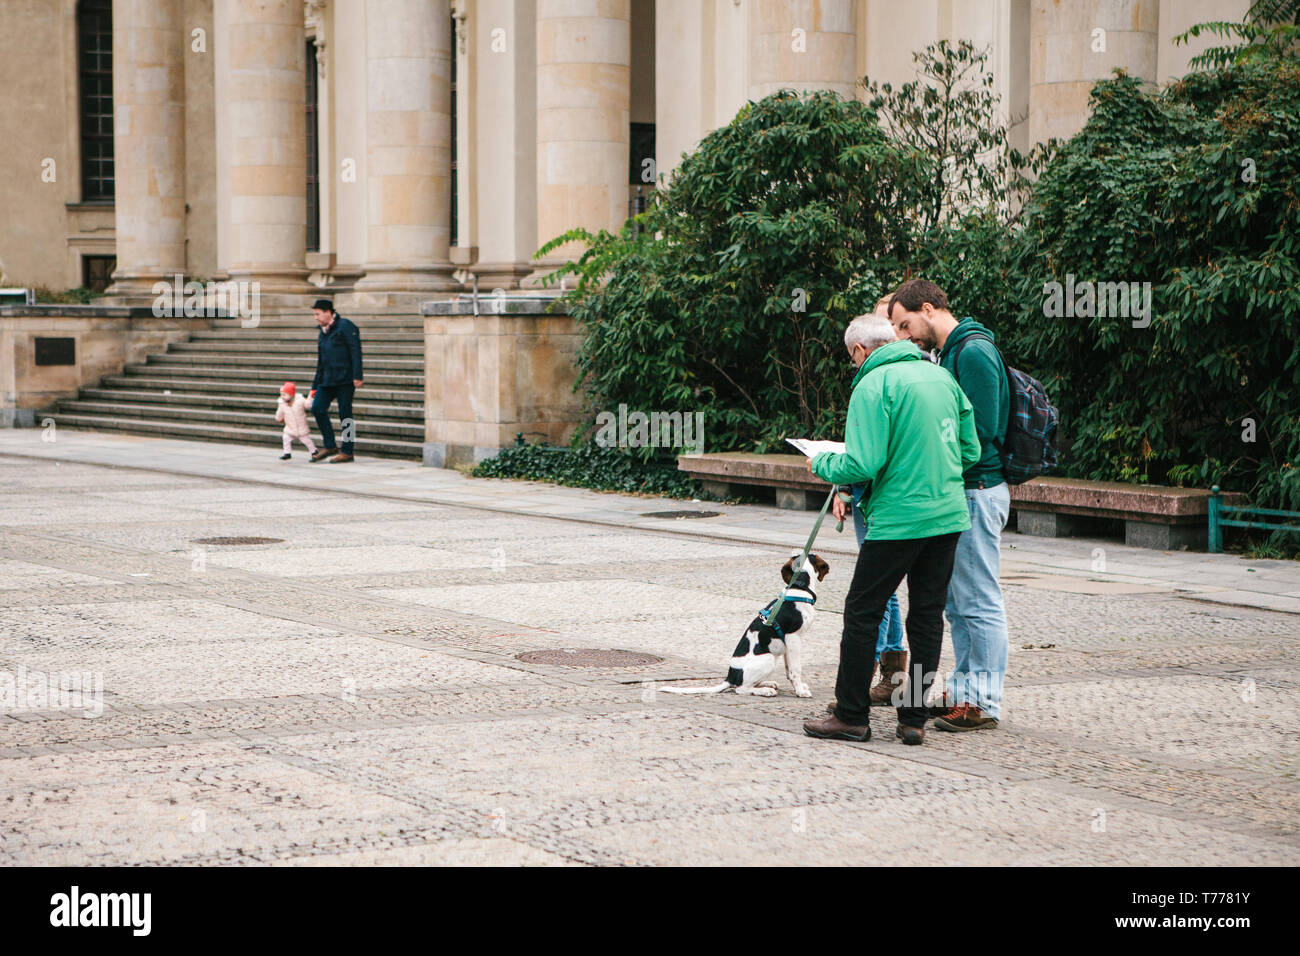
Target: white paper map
<point>810,448</point>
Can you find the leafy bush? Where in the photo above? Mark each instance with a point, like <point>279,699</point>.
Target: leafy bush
<point>79,296</point>
<point>1193,189</point>
<point>732,292</point>
<point>589,466</point>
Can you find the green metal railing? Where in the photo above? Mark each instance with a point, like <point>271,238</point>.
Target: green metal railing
<point>1218,522</point>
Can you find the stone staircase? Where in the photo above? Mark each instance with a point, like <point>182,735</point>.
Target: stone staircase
<point>222,385</point>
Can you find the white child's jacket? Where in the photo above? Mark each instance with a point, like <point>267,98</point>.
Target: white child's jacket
<point>294,416</point>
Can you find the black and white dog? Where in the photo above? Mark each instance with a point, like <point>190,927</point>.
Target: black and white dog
<point>755,656</point>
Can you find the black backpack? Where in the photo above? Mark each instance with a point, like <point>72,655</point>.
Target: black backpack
<point>1030,446</point>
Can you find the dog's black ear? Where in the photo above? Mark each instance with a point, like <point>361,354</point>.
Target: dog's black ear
<point>820,565</point>
<point>787,571</point>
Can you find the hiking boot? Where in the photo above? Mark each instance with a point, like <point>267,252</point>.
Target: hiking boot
<point>833,728</point>
<point>965,717</point>
<point>893,671</point>
<point>946,703</point>
<point>322,453</point>
<point>912,736</point>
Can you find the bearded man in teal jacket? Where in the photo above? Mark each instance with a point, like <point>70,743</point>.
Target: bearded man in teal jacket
<point>910,432</point>
<point>977,616</point>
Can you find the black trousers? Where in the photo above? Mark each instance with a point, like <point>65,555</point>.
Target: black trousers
<point>320,407</point>
<point>881,567</point>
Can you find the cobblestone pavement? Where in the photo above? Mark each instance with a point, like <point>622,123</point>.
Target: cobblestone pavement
<point>352,693</point>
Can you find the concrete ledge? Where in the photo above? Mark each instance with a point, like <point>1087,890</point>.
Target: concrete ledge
<point>796,489</point>
<point>515,303</point>
<point>1115,499</point>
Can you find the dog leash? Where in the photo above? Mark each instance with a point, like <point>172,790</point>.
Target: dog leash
<point>807,549</point>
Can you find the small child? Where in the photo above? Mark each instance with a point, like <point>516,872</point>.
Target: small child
<point>292,410</point>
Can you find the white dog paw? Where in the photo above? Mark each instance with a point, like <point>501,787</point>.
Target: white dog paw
<point>766,683</point>
<point>803,691</point>
<point>765,690</point>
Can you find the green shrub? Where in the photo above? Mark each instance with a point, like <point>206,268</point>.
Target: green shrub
<point>589,466</point>
<point>79,296</point>
<point>1193,189</point>
<point>731,293</point>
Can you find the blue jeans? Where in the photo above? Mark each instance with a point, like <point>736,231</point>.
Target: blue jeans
<point>890,636</point>
<point>976,614</point>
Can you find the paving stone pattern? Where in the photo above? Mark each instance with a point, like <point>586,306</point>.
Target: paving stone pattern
<point>353,695</point>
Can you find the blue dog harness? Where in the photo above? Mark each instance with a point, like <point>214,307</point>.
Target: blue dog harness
<point>768,614</point>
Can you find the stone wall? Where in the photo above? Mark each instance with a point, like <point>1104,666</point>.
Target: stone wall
<point>105,339</point>
<point>489,376</point>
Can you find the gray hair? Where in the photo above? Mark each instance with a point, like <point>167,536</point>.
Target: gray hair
<point>869,331</point>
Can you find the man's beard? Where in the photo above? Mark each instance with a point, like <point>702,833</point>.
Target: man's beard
<point>925,340</point>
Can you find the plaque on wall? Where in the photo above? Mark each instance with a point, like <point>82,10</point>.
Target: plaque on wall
<point>56,351</point>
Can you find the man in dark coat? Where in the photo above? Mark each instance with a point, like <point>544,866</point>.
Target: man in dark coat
<point>338,375</point>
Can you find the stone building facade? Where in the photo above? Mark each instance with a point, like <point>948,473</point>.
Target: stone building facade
<point>393,151</point>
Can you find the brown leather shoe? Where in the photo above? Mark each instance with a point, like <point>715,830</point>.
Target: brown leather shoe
<point>340,457</point>
<point>832,728</point>
<point>893,672</point>
<point>322,453</point>
<point>912,736</point>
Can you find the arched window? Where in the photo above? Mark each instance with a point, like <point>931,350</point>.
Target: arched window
<point>95,73</point>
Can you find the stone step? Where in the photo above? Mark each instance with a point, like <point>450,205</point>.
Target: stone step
<point>257,401</point>
<point>308,347</point>
<point>377,427</point>
<point>285,361</point>
<point>385,447</point>
<point>404,396</point>
<point>415,336</point>
<point>245,373</point>
<point>385,323</point>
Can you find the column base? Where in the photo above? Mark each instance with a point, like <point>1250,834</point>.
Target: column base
<point>137,288</point>
<point>422,279</point>
<point>542,271</point>
<point>398,289</point>
<point>275,280</point>
<point>501,275</point>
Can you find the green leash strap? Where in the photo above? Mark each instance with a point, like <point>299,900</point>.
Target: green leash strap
<point>807,548</point>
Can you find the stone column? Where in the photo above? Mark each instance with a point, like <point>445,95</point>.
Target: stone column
<point>1073,45</point>
<point>149,144</point>
<point>505,145</point>
<point>802,45</point>
<point>584,61</point>
<point>408,147</point>
<point>261,107</point>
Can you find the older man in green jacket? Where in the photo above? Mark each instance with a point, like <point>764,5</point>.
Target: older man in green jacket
<point>911,433</point>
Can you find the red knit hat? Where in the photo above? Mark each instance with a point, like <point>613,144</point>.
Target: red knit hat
<point>290,388</point>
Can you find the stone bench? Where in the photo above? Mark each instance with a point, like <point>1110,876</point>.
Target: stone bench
<point>1154,516</point>
<point>727,473</point>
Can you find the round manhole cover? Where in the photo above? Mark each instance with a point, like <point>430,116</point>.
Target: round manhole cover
<point>681,514</point>
<point>588,657</point>
<point>237,539</point>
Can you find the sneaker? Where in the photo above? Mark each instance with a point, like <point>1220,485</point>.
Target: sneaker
<point>946,704</point>
<point>286,456</point>
<point>965,717</point>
